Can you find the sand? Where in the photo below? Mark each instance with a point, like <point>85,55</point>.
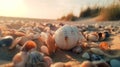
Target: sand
<point>60,55</point>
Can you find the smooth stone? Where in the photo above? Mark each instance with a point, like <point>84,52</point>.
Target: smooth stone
<point>85,55</point>
<point>115,63</point>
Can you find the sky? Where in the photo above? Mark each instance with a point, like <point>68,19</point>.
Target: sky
<point>46,9</point>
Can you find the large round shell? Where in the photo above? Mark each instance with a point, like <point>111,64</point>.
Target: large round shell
<point>67,37</point>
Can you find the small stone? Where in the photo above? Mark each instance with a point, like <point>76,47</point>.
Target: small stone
<point>85,55</point>
<point>77,49</point>
<point>115,63</point>
<point>95,57</point>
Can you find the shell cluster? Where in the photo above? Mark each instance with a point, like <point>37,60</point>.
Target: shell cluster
<point>38,40</point>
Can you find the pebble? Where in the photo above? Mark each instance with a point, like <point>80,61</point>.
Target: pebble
<point>77,49</point>
<point>85,55</point>
<point>115,63</point>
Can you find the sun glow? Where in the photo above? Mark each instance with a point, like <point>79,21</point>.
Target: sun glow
<point>12,8</point>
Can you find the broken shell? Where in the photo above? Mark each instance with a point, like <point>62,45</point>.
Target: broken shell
<point>104,46</point>
<point>102,36</point>
<point>20,59</point>
<point>93,36</point>
<point>85,55</point>
<point>67,37</point>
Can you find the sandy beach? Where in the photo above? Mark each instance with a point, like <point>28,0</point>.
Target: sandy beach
<point>60,55</point>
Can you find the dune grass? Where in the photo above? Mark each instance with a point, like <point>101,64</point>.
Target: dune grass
<point>111,12</point>
<point>69,17</point>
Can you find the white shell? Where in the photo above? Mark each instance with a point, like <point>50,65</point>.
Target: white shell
<point>67,37</point>
<point>92,37</point>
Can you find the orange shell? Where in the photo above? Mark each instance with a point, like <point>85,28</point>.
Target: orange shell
<point>29,45</point>
<point>104,45</point>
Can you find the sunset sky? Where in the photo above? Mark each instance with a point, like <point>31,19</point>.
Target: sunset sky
<point>49,9</point>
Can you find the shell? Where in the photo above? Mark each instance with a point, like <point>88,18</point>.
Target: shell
<point>34,59</point>
<point>86,64</point>
<point>6,41</point>
<point>92,36</point>
<point>67,37</point>
<point>48,60</point>
<point>28,46</point>
<point>104,46</point>
<point>20,59</point>
<point>49,41</point>
<point>45,50</point>
<point>102,36</point>
<point>97,51</point>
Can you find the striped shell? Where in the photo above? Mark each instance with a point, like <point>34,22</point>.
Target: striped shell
<point>67,37</point>
<point>35,58</point>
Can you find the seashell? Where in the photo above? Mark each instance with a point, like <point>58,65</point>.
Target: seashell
<point>29,45</point>
<point>92,36</point>
<point>104,46</point>
<point>77,49</point>
<point>50,42</point>
<point>102,36</point>
<point>67,37</point>
<point>87,64</point>
<point>34,59</point>
<point>18,34</point>
<point>85,45</point>
<point>44,50</point>
<point>97,51</point>
<point>48,60</point>
<point>6,41</point>
<point>85,55</point>
<point>20,59</point>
